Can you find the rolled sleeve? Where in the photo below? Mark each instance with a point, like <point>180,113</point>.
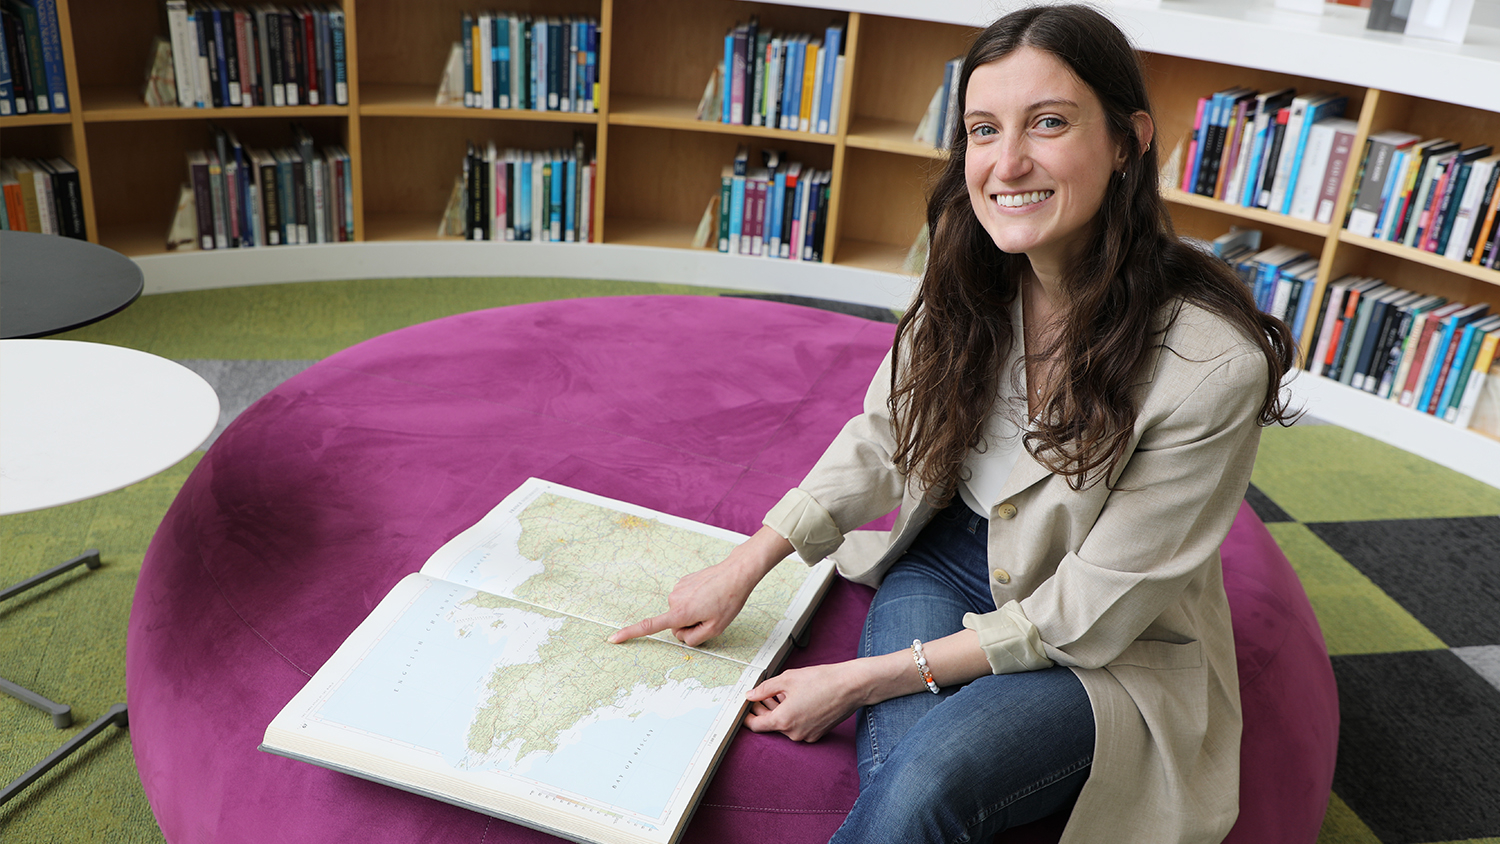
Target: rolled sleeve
<point>802,521</point>
<point>1010,641</point>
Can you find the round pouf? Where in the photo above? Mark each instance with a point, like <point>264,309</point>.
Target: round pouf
<point>327,491</point>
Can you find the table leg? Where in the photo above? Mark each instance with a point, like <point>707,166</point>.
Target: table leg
<point>88,558</point>
<point>116,715</point>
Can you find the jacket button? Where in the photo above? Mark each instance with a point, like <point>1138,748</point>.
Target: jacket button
<point>1006,511</point>
<point>1001,576</point>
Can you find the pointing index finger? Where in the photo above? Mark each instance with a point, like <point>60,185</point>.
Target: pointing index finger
<point>642,628</point>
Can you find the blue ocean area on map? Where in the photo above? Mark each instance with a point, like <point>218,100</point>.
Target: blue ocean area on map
<point>631,763</point>
<point>405,688</point>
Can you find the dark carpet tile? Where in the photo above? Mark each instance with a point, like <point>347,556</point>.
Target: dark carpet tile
<point>1265,507</point>
<point>1445,572</point>
<point>864,311</point>
<point>1419,746</point>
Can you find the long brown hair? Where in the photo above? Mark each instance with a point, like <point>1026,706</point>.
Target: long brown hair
<point>952,343</point>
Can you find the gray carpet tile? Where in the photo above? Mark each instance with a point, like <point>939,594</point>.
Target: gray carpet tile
<point>1484,659</point>
<point>869,312</point>
<point>240,383</point>
<point>1419,747</point>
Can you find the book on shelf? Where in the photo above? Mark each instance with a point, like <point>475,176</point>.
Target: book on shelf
<point>1306,111</point>
<point>1479,374</point>
<point>789,81</point>
<point>1374,188</point>
<point>464,684</point>
<point>248,197</point>
<point>1329,143</point>
<point>43,195</point>
<point>541,195</point>
<point>37,77</point>
<point>1465,355</point>
<point>936,126</point>
<point>514,60</point>
<point>1417,350</point>
<point>776,210</point>
<point>261,55</point>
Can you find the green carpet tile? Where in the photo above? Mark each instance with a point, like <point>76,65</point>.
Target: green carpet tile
<point>1400,558</point>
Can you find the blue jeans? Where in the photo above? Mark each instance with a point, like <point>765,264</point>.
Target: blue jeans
<point>962,765</point>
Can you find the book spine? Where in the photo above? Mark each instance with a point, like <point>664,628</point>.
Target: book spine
<point>7,87</point>
<point>1271,164</point>
<point>52,54</point>
<point>1333,175</point>
<point>31,31</point>
<point>202,199</point>
<point>1442,206</point>
<point>726,195</point>
<point>1303,202</point>
<point>1196,146</point>
<point>15,46</point>
<point>340,56</point>
<point>1481,238</point>
<point>1458,377</point>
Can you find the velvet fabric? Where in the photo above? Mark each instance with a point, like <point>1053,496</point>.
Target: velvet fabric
<point>323,494</point>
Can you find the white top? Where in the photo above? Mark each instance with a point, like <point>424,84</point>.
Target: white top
<point>81,419</point>
<point>989,464</point>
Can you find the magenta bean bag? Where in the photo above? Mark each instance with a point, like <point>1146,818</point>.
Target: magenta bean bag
<point>345,478</point>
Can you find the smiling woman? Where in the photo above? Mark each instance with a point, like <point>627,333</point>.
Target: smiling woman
<point>1067,422</point>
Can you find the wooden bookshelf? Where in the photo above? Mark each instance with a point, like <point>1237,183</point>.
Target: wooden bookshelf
<point>658,166</point>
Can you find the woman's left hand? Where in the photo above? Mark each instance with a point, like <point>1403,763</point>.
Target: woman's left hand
<point>805,703</point>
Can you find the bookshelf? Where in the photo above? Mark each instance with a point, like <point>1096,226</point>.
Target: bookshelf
<point>658,166</point>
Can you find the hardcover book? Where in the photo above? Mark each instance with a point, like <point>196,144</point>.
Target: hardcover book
<point>484,680</point>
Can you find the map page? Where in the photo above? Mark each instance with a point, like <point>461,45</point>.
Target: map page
<point>614,563</point>
<point>507,699</point>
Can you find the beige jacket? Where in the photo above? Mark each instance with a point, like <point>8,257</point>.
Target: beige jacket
<point>1123,586</point>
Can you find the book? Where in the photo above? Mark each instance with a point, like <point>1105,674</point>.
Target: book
<point>1315,107</point>
<point>484,679</point>
<point>1312,195</point>
<point>1477,377</point>
<point>7,85</point>
<point>1485,229</point>
<point>1467,351</point>
<point>1440,358</point>
<point>1478,183</point>
<point>1421,360</point>
<point>1446,204</point>
<point>1402,343</point>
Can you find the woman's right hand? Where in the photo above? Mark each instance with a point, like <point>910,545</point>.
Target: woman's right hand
<point>704,603</point>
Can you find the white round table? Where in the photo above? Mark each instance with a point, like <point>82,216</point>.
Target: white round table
<point>81,419</point>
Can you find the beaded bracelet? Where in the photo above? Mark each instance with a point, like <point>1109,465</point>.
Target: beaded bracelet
<point>921,660</point>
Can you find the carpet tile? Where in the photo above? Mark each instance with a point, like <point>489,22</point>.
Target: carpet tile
<point>1443,571</point>
<point>1356,615</point>
<point>1324,473</point>
<point>1419,746</point>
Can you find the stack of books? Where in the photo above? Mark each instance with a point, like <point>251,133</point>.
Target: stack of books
<point>33,79</point>
<point>540,195</point>
<point>1278,150</point>
<point>260,56</point>
<point>514,60</point>
<point>1419,351</point>
<point>779,80</point>
<point>1435,195</point>
<point>245,197</point>
<point>1281,278</point>
<point>43,196</point>
<point>777,210</point>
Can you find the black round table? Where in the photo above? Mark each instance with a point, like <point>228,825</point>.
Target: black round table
<point>50,284</point>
